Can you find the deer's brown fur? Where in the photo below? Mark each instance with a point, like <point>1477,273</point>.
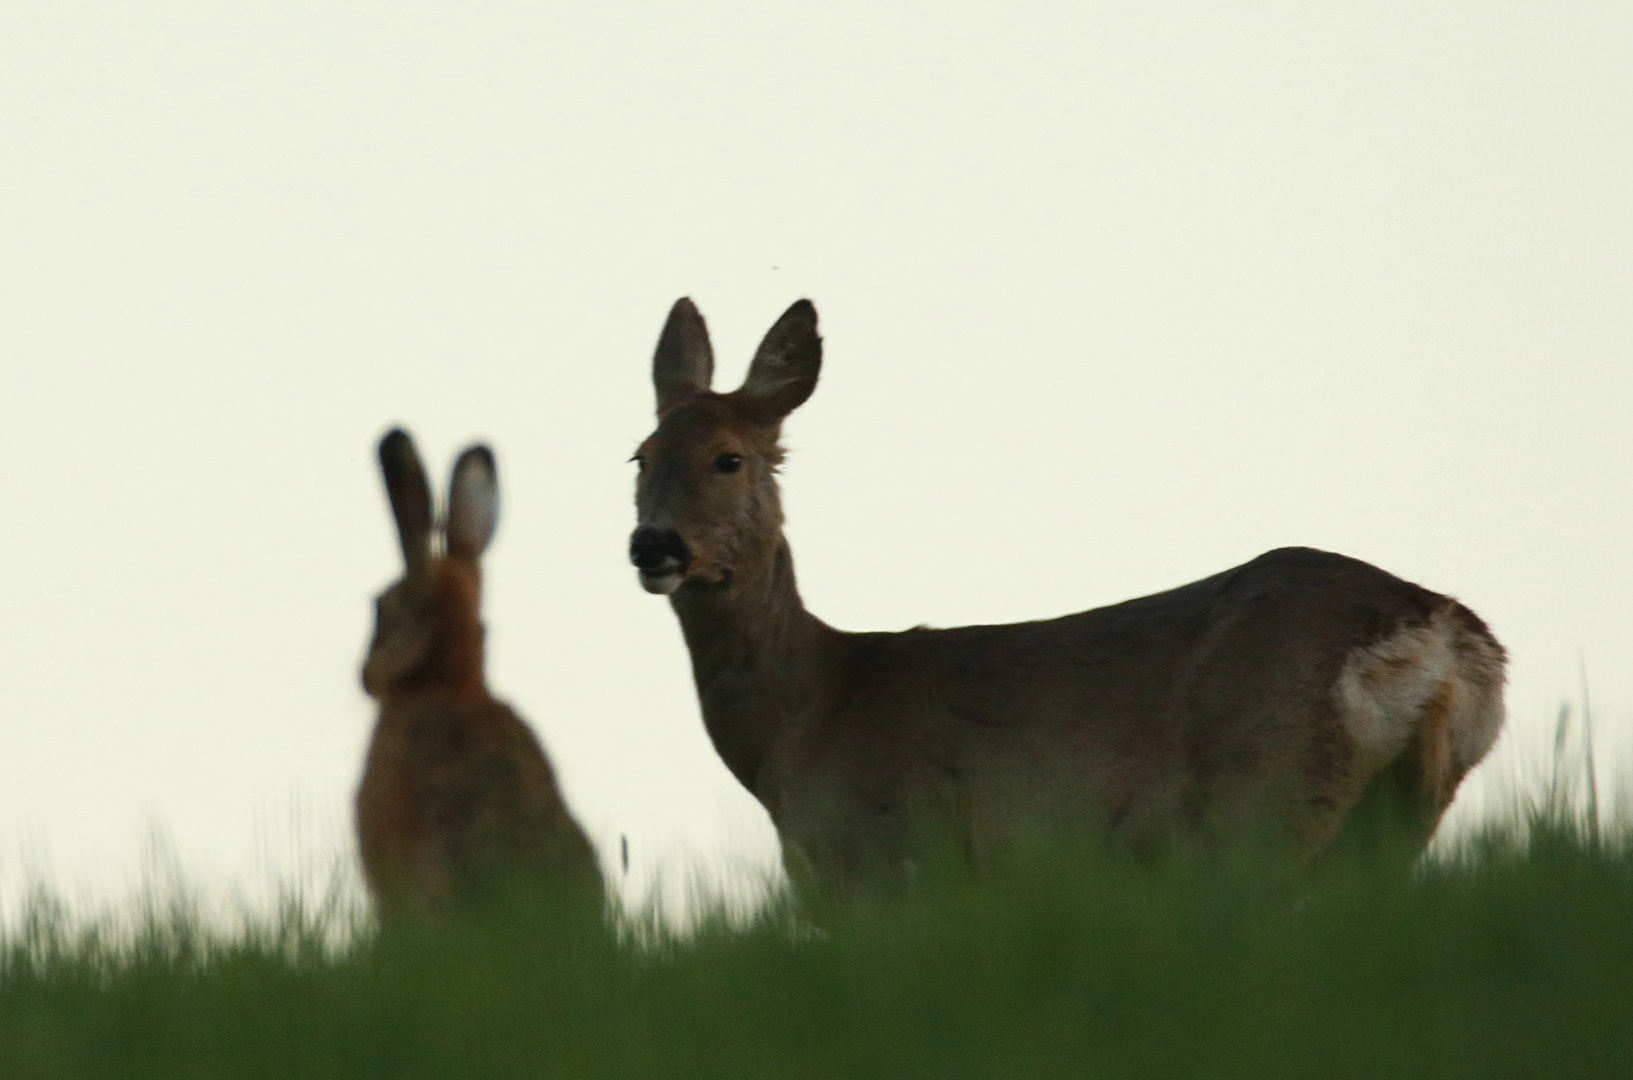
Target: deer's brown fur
<point>1267,697</point>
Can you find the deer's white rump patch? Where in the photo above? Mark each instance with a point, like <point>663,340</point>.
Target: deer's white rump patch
<point>1385,690</point>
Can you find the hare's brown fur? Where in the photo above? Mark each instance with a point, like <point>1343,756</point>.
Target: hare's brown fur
<point>457,794</point>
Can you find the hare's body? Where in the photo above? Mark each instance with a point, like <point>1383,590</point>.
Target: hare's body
<point>457,794</point>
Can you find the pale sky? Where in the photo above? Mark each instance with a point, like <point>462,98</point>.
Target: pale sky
<point>1114,296</point>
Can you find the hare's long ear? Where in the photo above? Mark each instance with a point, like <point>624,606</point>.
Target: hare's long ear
<point>473,503</point>
<point>410,495</point>
<point>785,367</point>
<point>684,363</point>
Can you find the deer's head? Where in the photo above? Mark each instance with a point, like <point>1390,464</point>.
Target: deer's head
<point>706,498</point>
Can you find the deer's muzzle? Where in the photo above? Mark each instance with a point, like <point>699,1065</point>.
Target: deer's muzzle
<point>661,556</point>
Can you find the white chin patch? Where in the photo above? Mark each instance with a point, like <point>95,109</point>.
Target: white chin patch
<point>661,584</point>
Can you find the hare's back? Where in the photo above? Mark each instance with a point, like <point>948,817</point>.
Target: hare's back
<point>459,786</point>
<point>517,775</point>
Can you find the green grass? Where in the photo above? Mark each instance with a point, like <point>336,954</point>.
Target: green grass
<point>1511,956</point>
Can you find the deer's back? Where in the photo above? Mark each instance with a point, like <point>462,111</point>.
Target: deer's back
<point>1216,700</point>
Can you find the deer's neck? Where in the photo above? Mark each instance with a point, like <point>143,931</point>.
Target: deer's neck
<point>759,658</point>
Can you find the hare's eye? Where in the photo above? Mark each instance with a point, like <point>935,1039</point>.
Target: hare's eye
<point>729,463</point>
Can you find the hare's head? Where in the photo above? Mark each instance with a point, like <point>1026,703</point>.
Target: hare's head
<point>428,626</point>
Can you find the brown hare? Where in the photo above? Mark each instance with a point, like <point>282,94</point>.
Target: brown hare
<point>457,795</point>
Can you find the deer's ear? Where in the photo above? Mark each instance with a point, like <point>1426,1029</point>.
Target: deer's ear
<point>683,366</point>
<point>473,502</point>
<point>410,494</point>
<point>785,367</point>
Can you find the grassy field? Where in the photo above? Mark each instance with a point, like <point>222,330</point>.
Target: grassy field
<point>1511,957</point>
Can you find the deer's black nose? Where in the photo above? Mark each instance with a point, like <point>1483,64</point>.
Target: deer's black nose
<point>653,550</point>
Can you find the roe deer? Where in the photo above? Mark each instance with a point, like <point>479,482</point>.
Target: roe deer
<point>1266,697</point>
<point>457,795</point>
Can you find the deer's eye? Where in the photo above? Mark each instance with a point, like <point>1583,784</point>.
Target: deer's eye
<point>640,462</point>
<point>728,463</point>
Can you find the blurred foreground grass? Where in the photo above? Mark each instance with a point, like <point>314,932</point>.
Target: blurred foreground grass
<point>1511,955</point>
